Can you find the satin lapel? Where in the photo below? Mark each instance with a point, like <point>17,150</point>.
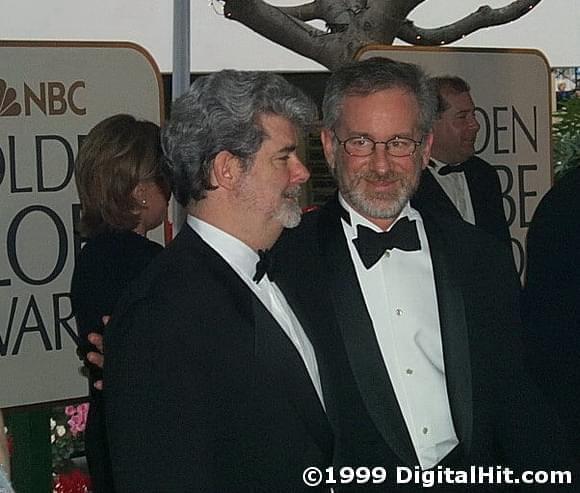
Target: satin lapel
<point>283,366</point>
<point>478,189</point>
<point>431,197</point>
<point>358,334</point>
<point>454,334</point>
<point>289,375</point>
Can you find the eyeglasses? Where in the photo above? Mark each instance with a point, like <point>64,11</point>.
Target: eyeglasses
<point>361,146</point>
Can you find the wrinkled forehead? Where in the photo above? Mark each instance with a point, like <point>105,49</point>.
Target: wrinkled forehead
<point>386,105</point>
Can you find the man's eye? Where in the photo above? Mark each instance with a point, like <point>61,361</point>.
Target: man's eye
<point>359,142</point>
<point>399,144</point>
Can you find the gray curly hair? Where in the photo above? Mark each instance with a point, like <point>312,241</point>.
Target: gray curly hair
<point>220,112</point>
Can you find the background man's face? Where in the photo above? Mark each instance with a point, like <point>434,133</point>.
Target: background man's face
<point>377,186</point>
<point>455,131</point>
<point>270,189</point>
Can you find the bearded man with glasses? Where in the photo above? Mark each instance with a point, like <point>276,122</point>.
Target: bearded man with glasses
<point>416,315</point>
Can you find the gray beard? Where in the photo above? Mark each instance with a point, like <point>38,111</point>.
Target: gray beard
<point>375,207</point>
<point>289,214</point>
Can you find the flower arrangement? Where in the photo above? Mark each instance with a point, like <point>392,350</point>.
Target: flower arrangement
<point>67,428</point>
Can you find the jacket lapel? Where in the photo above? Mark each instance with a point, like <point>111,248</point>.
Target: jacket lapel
<point>289,375</point>
<point>431,197</point>
<point>454,335</point>
<point>478,191</point>
<point>358,334</point>
<point>283,366</point>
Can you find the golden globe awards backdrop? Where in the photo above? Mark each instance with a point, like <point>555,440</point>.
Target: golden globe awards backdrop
<point>51,95</point>
<point>512,93</point>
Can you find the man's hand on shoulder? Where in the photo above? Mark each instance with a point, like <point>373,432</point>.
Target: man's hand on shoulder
<point>97,357</point>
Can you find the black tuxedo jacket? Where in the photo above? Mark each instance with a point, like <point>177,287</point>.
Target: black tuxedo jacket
<point>498,416</point>
<point>486,198</point>
<point>204,392</point>
<point>552,297</point>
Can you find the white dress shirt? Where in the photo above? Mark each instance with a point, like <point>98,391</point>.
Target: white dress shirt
<point>456,188</point>
<point>242,259</point>
<point>399,292</point>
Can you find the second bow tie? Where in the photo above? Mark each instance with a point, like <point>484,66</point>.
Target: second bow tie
<point>264,266</point>
<point>448,168</point>
<point>372,245</point>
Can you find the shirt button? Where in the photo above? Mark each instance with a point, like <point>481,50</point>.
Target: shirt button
<point>399,312</point>
<point>425,430</point>
<point>387,254</point>
<point>409,371</point>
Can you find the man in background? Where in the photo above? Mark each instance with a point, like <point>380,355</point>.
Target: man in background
<point>457,182</point>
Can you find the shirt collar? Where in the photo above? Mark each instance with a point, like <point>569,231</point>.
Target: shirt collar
<point>234,251</point>
<point>437,165</point>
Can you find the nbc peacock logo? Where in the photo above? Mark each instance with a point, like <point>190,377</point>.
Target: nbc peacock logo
<point>8,104</point>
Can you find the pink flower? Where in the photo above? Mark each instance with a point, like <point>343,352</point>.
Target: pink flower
<point>77,424</point>
<point>83,408</point>
<point>69,410</point>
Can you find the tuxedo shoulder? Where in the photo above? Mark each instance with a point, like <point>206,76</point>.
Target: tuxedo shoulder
<point>479,161</point>
<point>304,231</point>
<point>465,238</point>
<point>481,165</point>
<point>171,271</point>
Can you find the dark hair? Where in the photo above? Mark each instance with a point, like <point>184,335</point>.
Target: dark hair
<point>373,75</point>
<point>220,112</point>
<point>447,83</point>
<point>114,157</point>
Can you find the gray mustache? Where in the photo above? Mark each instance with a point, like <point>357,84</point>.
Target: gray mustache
<point>293,193</point>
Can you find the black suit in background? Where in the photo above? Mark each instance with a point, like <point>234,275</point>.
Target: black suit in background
<point>498,416</point>
<point>204,391</point>
<point>552,298</point>
<point>103,269</point>
<point>485,190</point>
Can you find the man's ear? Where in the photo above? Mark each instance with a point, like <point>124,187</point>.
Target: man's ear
<point>426,150</point>
<point>327,138</point>
<point>226,170</point>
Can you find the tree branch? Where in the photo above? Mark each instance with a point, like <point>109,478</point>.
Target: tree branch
<point>305,12</point>
<point>279,27</point>
<point>483,17</point>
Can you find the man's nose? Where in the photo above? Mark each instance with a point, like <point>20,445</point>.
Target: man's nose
<point>380,160</point>
<point>300,173</point>
<point>473,123</point>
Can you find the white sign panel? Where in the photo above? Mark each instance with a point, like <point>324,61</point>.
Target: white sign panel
<point>511,90</point>
<point>51,95</point>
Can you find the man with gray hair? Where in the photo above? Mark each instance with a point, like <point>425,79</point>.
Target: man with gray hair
<point>416,313</point>
<point>211,383</point>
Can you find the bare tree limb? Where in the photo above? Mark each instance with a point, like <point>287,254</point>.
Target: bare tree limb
<point>281,28</point>
<point>353,24</point>
<point>305,12</point>
<point>408,5</point>
<point>483,17</point>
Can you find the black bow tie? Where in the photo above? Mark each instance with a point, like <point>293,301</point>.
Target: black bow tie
<point>264,266</point>
<point>455,168</point>
<point>371,245</point>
